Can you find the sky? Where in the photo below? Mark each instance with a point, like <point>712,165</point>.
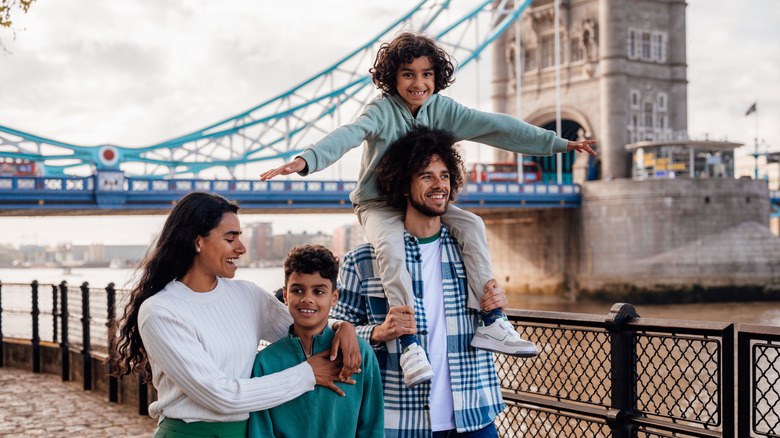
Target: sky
<point>134,73</point>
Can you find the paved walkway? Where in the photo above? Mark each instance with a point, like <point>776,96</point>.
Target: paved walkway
<point>42,405</point>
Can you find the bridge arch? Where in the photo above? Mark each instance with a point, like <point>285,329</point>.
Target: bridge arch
<point>574,126</point>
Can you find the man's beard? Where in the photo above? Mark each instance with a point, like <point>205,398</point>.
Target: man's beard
<point>426,210</point>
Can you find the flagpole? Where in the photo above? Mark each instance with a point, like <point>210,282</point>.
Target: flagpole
<point>755,154</point>
<point>558,157</point>
<point>754,109</point>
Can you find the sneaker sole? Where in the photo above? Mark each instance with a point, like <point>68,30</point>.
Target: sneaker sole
<point>416,380</point>
<point>517,352</point>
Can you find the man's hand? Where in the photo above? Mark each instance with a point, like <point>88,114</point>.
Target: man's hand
<point>326,371</point>
<point>399,321</point>
<point>345,340</point>
<point>581,146</point>
<point>494,297</point>
<point>294,166</point>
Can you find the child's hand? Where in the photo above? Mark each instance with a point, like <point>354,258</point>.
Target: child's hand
<point>581,146</point>
<point>345,340</point>
<point>399,321</point>
<point>294,166</point>
<point>494,297</point>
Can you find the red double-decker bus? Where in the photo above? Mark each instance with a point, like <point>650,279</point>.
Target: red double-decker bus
<point>16,167</point>
<point>505,172</point>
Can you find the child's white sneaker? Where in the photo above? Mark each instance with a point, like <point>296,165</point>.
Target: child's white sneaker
<point>501,337</point>
<point>415,366</point>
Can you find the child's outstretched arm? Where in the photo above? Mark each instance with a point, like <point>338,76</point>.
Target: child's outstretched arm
<point>294,166</point>
<point>581,146</point>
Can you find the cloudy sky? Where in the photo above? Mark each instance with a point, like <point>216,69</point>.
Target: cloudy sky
<point>134,73</point>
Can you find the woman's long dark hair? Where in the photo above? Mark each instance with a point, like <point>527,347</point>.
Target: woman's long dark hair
<point>171,257</point>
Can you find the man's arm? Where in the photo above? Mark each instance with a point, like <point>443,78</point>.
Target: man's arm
<point>352,306</point>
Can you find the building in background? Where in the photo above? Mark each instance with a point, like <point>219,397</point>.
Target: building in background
<point>282,244</point>
<point>345,238</point>
<point>259,241</point>
<point>623,77</point>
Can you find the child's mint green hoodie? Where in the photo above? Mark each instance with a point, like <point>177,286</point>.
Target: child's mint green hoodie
<point>322,412</point>
<point>387,118</point>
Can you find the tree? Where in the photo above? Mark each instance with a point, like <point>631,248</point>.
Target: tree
<point>6,6</point>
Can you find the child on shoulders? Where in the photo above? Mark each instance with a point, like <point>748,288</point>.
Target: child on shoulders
<point>411,71</point>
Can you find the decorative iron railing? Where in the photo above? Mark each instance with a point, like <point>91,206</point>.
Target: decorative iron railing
<point>617,375</point>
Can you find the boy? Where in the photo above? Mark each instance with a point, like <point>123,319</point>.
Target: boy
<point>410,71</point>
<point>310,273</point>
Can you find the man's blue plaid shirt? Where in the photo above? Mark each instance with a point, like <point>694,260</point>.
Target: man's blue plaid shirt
<point>475,387</point>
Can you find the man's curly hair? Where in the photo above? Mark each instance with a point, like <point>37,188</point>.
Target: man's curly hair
<point>412,153</point>
<point>403,50</point>
<point>311,259</point>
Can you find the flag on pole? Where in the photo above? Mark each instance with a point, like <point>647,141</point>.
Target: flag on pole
<point>752,109</point>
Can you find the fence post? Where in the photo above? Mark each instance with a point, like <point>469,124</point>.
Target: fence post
<point>54,312</point>
<point>1,324</point>
<point>143,395</point>
<point>36,338</point>
<point>64,347</point>
<point>113,382</point>
<point>729,402</point>
<point>86,359</point>
<point>623,369</point>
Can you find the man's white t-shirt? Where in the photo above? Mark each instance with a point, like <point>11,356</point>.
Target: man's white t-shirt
<point>442,407</point>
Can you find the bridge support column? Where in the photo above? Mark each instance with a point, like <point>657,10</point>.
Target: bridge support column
<point>534,251</point>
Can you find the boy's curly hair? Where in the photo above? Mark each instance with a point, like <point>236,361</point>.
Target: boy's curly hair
<point>403,50</point>
<point>311,259</point>
<point>409,155</point>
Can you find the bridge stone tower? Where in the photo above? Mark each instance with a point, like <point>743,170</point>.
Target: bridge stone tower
<point>623,74</point>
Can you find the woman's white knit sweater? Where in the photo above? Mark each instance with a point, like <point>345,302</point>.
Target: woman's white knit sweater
<point>201,347</point>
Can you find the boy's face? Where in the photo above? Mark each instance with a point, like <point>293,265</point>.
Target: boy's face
<point>416,82</point>
<point>309,298</point>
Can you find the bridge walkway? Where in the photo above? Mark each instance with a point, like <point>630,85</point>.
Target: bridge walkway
<point>42,405</point>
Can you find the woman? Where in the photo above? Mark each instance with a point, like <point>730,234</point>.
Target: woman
<point>194,332</point>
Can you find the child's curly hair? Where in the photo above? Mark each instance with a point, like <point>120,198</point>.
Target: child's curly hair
<point>312,259</point>
<point>412,153</point>
<point>403,50</point>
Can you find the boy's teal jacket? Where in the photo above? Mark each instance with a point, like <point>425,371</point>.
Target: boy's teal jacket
<point>387,118</point>
<point>322,412</point>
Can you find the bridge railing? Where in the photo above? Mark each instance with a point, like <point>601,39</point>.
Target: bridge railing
<point>112,190</point>
<point>617,375</point>
<point>626,376</point>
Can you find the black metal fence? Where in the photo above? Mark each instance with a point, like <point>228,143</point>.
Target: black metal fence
<point>626,376</point>
<point>77,318</point>
<point>617,375</point>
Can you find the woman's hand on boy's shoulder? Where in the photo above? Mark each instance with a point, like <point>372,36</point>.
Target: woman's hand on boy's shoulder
<point>345,340</point>
<point>294,166</point>
<point>326,371</point>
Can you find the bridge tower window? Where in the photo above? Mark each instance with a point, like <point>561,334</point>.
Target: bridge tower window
<point>648,115</point>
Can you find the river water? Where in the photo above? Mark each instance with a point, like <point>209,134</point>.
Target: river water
<point>764,313</point>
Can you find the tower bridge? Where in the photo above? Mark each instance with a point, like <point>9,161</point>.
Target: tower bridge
<point>605,68</point>
<point>115,194</point>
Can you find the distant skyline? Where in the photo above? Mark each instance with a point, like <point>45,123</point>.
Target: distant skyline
<point>140,230</point>
<point>135,73</point>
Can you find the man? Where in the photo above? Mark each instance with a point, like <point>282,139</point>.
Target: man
<point>422,171</point>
